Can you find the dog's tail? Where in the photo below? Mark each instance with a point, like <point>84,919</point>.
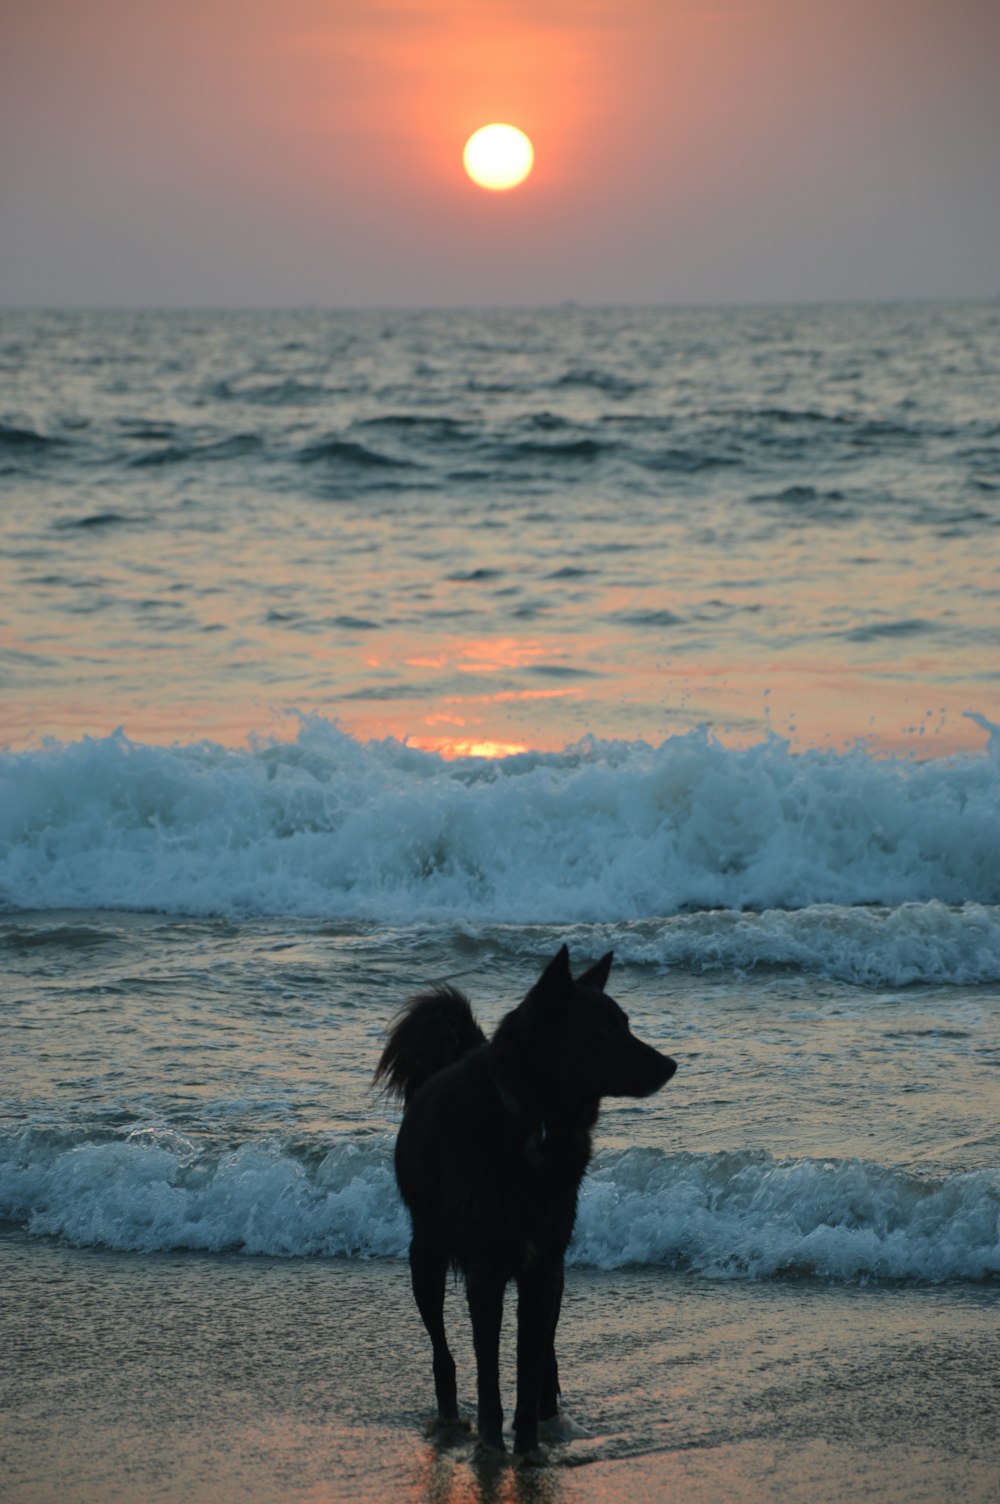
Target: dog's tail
<point>433,1030</point>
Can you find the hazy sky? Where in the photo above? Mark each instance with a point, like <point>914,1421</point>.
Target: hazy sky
<point>309,151</point>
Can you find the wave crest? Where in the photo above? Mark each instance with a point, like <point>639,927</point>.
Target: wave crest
<point>602,833</point>
<point>724,1215</point>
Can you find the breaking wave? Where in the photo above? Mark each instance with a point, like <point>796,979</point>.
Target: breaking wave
<point>758,854</point>
<point>722,1215</point>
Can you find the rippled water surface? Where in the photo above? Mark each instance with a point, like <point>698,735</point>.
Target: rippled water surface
<point>502,530</point>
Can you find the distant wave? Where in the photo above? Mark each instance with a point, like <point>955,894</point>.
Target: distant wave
<point>23,448</point>
<point>612,383</point>
<point>278,392</point>
<point>733,1215</point>
<point>583,448</point>
<point>94,520</point>
<point>604,833</point>
<point>347,452</point>
<point>427,426</point>
<point>872,631</point>
<point>14,437</point>
<point>685,460</point>
<point>230,447</point>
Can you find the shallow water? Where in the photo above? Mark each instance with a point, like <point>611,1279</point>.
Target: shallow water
<point>207,1085</point>
<point>218,1379</point>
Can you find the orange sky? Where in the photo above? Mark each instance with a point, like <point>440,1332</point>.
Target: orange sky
<point>276,151</point>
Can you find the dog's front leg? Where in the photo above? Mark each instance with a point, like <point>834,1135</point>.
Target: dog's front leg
<point>538,1297</point>
<point>485,1296</point>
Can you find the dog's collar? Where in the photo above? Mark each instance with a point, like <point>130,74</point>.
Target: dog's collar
<point>536,1128</point>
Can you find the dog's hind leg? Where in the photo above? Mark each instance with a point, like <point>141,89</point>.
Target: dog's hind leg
<point>428,1272</point>
<point>538,1297</point>
<point>485,1294</point>
<point>548,1395</point>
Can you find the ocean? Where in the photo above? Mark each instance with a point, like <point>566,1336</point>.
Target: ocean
<point>346,653</point>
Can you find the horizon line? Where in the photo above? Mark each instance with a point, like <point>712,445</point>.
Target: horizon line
<point>563,305</point>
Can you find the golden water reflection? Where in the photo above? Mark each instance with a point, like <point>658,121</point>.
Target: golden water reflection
<point>491,696</point>
<point>443,1478</point>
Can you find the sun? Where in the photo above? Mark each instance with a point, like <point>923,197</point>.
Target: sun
<point>498,157</point>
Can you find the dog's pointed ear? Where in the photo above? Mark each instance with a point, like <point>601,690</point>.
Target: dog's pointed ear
<point>556,976</point>
<point>555,985</point>
<point>597,975</point>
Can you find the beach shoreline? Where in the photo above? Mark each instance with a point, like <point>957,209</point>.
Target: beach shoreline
<point>212,1378</point>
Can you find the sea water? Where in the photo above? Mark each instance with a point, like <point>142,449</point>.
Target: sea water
<point>343,654</point>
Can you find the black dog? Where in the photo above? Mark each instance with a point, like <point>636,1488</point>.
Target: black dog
<point>494,1142</point>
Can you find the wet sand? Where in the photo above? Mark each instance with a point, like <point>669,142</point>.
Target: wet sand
<point>218,1379</point>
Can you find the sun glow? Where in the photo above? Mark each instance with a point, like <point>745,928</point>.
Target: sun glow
<point>498,157</point>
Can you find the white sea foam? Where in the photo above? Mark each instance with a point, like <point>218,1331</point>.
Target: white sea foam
<point>871,947</point>
<point>747,1214</point>
<point>153,1190</point>
<point>724,1215</point>
<point>603,833</point>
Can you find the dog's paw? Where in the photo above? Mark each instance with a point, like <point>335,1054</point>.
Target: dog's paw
<point>487,1458</point>
<point>537,1457</point>
<point>447,1431</point>
<point>562,1427</point>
